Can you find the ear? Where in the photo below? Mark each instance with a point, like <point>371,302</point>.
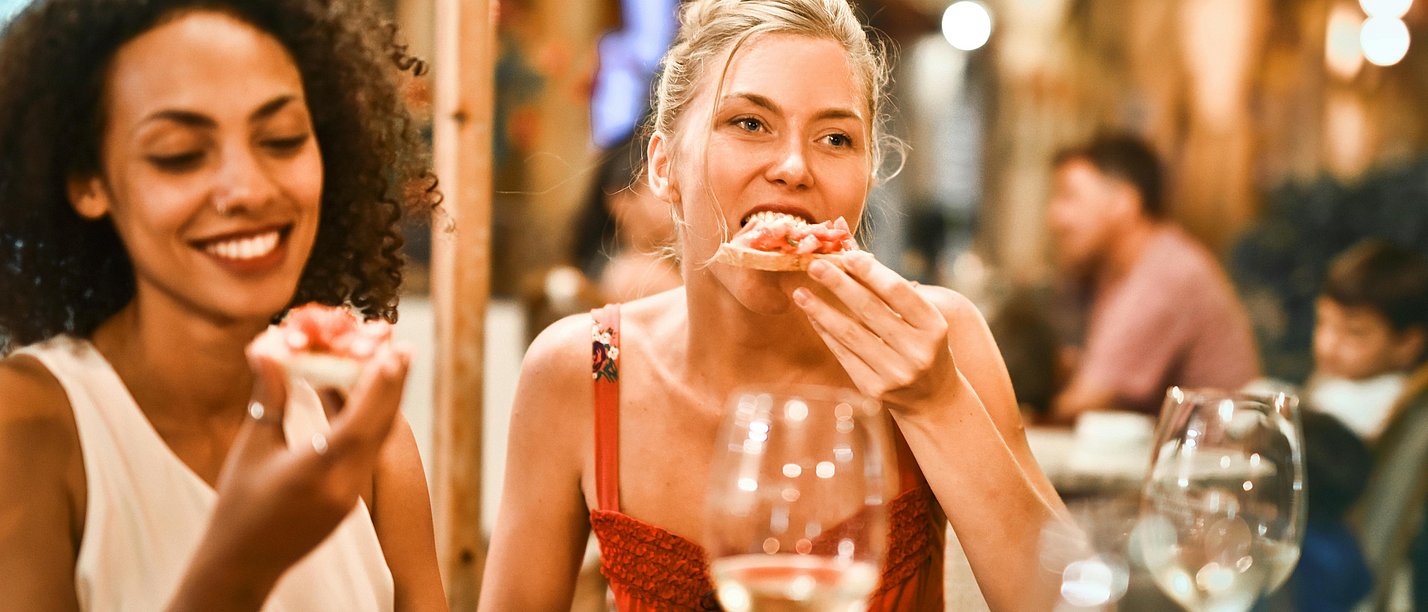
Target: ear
<point>88,196</point>
<point>659,174</point>
<point>1409,345</point>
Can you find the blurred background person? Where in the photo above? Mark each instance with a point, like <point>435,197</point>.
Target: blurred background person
<point>624,236</point>
<point>622,245</point>
<point>1370,335</point>
<point>1158,309</point>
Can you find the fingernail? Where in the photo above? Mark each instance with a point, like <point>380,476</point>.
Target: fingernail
<point>800,296</point>
<point>818,269</point>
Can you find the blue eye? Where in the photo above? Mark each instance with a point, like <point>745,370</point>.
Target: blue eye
<point>748,124</point>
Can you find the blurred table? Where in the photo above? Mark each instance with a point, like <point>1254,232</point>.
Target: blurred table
<point>1085,466</point>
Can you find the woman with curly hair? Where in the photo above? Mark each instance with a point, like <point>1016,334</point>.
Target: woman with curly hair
<point>174,175</point>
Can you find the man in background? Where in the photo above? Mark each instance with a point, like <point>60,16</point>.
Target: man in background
<point>1158,308</point>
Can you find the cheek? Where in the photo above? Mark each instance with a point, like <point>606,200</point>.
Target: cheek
<point>160,209</point>
<point>303,180</point>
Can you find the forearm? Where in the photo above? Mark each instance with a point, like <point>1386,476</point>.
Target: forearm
<point>212,584</point>
<point>1080,397</point>
<point>992,503</point>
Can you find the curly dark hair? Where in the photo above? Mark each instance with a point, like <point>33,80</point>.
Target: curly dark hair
<point>60,273</point>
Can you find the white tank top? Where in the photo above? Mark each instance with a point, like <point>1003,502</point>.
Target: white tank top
<point>147,510</point>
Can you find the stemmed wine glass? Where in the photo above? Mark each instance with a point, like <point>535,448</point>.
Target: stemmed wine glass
<point>1222,513</point>
<point>796,516</point>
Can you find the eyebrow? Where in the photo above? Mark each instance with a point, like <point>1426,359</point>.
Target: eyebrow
<point>767,103</point>
<point>194,119</point>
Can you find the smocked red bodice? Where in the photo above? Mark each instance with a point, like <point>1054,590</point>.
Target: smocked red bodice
<point>650,568</point>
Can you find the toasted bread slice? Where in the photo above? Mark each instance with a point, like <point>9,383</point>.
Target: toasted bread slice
<point>754,259</point>
<point>324,371</point>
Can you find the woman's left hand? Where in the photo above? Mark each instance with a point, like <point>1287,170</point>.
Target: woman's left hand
<point>891,340</point>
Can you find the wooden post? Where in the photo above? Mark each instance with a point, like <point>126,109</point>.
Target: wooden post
<point>461,252</point>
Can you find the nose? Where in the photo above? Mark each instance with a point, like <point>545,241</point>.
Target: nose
<point>790,167</point>
<point>241,183</point>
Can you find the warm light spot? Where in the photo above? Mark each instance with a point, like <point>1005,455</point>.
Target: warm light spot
<point>1384,40</point>
<point>1391,9</point>
<point>795,411</point>
<point>967,25</point>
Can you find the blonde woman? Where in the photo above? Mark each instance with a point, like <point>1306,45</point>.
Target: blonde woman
<point>762,105</point>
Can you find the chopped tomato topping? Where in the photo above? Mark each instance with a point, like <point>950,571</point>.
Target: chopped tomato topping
<point>788,234</point>
<point>325,329</point>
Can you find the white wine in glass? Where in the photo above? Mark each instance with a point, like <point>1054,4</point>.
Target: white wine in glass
<point>1223,510</point>
<point>796,516</point>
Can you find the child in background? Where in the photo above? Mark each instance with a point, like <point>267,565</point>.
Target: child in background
<point>1370,347</point>
<point>1370,333</point>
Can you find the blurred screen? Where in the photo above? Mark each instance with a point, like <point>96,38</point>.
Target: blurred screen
<point>628,58</point>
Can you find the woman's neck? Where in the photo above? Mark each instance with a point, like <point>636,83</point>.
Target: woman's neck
<point>178,365</point>
<point>730,345</point>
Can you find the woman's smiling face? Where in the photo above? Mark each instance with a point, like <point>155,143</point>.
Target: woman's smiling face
<point>790,132</point>
<point>210,171</point>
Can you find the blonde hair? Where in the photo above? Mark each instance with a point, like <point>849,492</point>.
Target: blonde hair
<point>714,28</point>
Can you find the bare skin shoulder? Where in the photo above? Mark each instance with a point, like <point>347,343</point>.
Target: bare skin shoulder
<point>543,516</point>
<point>42,488</point>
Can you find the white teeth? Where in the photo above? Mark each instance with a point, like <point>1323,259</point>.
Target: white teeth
<point>767,216</point>
<point>242,249</point>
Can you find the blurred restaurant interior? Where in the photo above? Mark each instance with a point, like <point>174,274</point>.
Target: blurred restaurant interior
<point>1288,131</point>
<point>1285,135</point>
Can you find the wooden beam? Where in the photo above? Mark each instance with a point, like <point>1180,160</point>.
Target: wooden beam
<point>461,253</point>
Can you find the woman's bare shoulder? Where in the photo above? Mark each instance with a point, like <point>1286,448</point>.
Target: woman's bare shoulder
<point>37,429</point>
<point>32,396</point>
<point>561,352</point>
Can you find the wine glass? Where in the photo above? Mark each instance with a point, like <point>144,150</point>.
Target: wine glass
<point>1222,513</point>
<point>1089,551</point>
<point>796,516</point>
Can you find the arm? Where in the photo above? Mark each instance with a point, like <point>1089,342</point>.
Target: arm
<point>39,462</point>
<point>402,515</point>
<point>957,415</point>
<point>1080,396</point>
<point>543,522</point>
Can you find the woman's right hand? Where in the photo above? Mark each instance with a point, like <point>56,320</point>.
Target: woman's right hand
<point>276,504</point>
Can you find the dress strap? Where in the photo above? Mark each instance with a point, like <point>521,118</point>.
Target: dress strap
<point>605,370</point>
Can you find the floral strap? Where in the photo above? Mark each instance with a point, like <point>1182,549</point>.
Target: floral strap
<point>605,374</point>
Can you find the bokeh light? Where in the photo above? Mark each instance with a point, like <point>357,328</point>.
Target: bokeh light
<point>1391,9</point>
<point>967,25</point>
<point>1384,40</point>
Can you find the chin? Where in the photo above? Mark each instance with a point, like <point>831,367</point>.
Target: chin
<point>765,293</point>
